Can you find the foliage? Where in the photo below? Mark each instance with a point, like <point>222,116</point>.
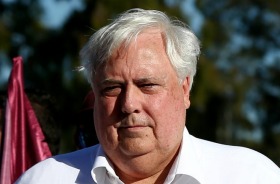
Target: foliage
<point>241,40</point>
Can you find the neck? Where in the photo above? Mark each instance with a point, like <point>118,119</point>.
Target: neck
<point>156,178</point>
<point>146,171</point>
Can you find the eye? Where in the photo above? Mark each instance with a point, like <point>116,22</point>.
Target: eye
<point>111,90</point>
<point>149,87</point>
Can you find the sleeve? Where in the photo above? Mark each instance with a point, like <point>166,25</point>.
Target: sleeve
<point>49,171</point>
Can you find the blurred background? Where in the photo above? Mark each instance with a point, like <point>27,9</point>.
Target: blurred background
<point>236,94</point>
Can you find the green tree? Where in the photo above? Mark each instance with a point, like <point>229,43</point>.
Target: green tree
<point>241,39</point>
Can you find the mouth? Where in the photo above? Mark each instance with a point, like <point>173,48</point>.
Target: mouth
<point>133,127</point>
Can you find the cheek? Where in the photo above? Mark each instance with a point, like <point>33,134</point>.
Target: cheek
<point>104,108</point>
<point>168,113</point>
<point>105,131</point>
<point>170,104</point>
<point>104,119</point>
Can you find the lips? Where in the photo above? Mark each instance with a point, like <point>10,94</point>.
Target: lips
<point>132,126</point>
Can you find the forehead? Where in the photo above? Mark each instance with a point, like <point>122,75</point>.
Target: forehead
<point>144,55</point>
<point>146,41</point>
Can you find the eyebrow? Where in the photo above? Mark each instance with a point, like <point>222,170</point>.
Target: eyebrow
<point>136,81</point>
<point>145,80</point>
<point>111,81</point>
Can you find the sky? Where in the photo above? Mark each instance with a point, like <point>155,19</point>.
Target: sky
<point>56,12</point>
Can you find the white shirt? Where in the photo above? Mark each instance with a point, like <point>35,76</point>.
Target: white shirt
<point>198,162</point>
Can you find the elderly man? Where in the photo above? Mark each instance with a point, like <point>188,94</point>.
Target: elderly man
<point>141,69</point>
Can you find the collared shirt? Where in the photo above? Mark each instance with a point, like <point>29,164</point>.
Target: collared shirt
<point>198,162</point>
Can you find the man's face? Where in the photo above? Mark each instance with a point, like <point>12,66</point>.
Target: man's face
<point>140,105</point>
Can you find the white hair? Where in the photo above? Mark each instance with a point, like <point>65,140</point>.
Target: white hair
<point>182,46</point>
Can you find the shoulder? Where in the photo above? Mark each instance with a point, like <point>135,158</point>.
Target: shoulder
<point>240,162</point>
<point>230,153</point>
<point>65,167</point>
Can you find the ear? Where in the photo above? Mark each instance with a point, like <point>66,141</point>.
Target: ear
<point>92,98</point>
<point>89,100</point>
<point>186,92</point>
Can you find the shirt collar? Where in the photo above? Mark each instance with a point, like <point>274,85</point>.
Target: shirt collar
<point>188,162</point>
<point>102,167</point>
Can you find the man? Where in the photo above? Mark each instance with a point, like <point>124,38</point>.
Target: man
<point>141,68</point>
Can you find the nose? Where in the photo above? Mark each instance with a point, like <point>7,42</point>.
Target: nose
<point>131,100</point>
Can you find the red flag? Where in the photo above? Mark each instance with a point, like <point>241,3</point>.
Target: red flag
<point>24,143</point>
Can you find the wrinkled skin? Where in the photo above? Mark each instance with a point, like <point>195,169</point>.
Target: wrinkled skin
<point>139,109</point>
